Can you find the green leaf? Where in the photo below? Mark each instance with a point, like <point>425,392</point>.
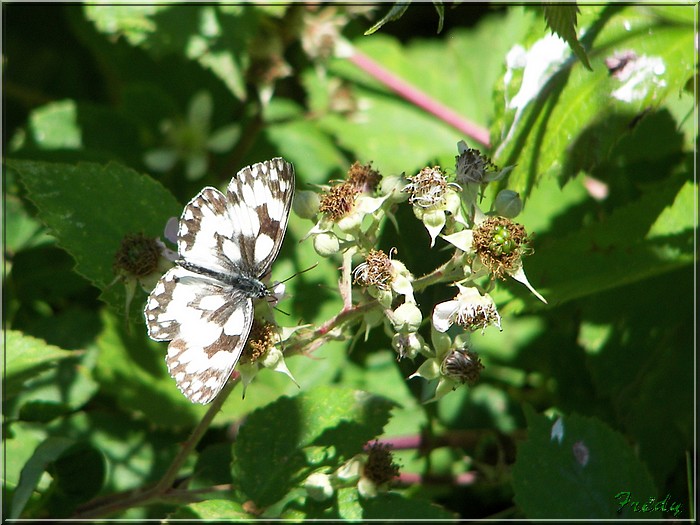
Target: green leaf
<point>90,208</point>
<point>578,475</point>
<point>214,509</point>
<point>561,19</point>
<point>396,12</point>
<point>27,357</point>
<point>558,118</point>
<point>269,454</point>
<point>20,441</point>
<point>47,452</point>
<point>55,126</point>
<point>215,38</point>
<point>391,506</point>
<point>78,474</point>
<point>134,22</point>
<point>624,248</point>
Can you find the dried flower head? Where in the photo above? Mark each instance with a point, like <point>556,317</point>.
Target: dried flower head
<point>338,201</point>
<point>375,271</point>
<point>137,255</point>
<point>462,364</point>
<point>363,178</point>
<point>501,244</point>
<point>380,467</point>
<point>473,167</point>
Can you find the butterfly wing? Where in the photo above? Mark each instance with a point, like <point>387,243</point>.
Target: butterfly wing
<point>208,321</point>
<point>260,197</point>
<point>207,324</point>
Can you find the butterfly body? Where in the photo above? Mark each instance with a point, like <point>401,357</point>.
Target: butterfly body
<point>226,246</point>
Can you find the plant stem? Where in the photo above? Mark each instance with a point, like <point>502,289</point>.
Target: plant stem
<point>449,271</point>
<point>125,500</point>
<point>420,99</point>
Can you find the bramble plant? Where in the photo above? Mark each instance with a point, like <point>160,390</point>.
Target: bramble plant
<point>483,304</point>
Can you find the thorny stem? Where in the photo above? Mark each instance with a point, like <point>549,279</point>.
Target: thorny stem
<point>346,315</point>
<point>160,490</point>
<point>420,99</point>
<point>449,271</point>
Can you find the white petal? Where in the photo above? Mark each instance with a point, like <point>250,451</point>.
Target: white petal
<point>462,240</point>
<point>519,275</point>
<point>442,314</point>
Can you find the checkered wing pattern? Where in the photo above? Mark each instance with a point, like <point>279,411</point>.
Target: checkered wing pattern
<point>226,245</point>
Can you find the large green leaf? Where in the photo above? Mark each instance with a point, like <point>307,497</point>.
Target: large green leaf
<point>575,468</point>
<point>269,456</point>
<point>556,117</point>
<point>90,208</point>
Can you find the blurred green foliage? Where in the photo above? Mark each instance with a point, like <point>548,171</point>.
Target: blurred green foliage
<point>96,97</point>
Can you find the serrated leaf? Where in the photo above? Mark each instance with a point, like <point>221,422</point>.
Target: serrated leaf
<point>90,208</point>
<point>27,357</point>
<point>268,453</point>
<point>558,118</point>
<point>578,471</point>
<point>561,19</point>
<point>396,12</point>
<point>47,452</point>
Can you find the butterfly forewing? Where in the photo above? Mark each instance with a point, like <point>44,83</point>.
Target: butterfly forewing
<point>204,305</point>
<point>260,197</point>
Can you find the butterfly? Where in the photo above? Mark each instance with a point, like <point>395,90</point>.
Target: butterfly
<point>226,245</point>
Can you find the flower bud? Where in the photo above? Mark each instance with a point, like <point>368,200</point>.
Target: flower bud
<point>306,204</point>
<point>508,204</point>
<point>407,318</point>
<point>326,244</point>
<point>392,185</point>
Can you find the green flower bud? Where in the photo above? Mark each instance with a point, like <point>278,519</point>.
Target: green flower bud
<point>326,244</point>
<point>306,203</point>
<point>508,204</point>
<point>392,185</point>
<point>407,318</point>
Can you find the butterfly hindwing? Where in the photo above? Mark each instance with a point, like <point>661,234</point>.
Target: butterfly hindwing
<point>204,304</point>
<point>207,325</point>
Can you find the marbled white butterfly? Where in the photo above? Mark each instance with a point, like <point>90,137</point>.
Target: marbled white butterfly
<point>226,244</point>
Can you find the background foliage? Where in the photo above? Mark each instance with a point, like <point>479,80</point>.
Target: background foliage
<point>117,115</point>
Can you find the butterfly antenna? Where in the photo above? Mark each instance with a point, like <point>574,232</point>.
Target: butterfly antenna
<point>299,273</point>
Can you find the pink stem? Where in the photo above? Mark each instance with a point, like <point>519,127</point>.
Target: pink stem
<point>412,478</point>
<point>419,98</point>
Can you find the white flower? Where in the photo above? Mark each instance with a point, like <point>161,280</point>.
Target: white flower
<point>469,309</point>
